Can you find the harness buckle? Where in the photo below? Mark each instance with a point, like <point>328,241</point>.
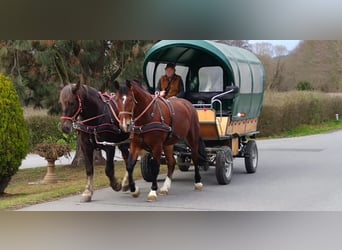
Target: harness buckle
<point>131,126</point>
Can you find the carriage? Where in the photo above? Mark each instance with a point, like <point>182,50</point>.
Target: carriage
<point>226,85</point>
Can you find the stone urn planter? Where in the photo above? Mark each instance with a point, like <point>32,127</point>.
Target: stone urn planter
<point>51,152</point>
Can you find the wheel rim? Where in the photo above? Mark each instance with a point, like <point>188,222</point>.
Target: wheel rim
<point>254,157</point>
<point>228,166</point>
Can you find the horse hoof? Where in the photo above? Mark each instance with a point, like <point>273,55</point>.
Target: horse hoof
<point>125,188</point>
<point>117,187</point>
<point>136,193</point>
<point>85,198</point>
<point>198,186</point>
<point>163,192</point>
<point>152,196</point>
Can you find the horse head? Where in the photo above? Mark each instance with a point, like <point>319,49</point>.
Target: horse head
<point>71,106</point>
<point>126,102</point>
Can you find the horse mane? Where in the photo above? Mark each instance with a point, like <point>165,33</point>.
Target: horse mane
<point>139,85</point>
<point>67,91</point>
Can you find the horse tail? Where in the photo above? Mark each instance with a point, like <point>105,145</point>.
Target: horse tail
<point>202,153</point>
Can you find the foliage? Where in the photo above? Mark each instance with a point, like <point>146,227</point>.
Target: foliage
<point>13,132</point>
<point>46,128</point>
<point>51,150</point>
<point>304,86</point>
<point>40,68</point>
<point>286,111</point>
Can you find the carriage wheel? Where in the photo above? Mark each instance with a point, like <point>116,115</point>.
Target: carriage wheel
<point>224,165</point>
<point>146,167</point>
<point>183,162</point>
<point>251,157</point>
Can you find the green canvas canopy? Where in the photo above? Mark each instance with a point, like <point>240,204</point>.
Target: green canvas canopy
<point>210,67</point>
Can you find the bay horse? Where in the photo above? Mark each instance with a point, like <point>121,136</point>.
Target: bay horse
<point>94,116</point>
<point>156,124</point>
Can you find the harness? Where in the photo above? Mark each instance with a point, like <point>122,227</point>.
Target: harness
<point>154,125</point>
<point>80,125</point>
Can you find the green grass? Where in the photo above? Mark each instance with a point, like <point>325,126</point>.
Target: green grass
<point>304,130</point>
<point>71,181</point>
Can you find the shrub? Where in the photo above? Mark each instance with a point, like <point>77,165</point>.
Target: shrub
<point>46,128</point>
<point>43,128</point>
<point>304,85</point>
<point>13,133</point>
<point>288,110</point>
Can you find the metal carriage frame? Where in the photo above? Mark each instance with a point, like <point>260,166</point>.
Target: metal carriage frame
<point>226,86</point>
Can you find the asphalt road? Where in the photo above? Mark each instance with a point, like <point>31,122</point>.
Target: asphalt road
<point>294,174</point>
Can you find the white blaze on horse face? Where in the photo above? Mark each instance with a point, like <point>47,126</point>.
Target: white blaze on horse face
<point>124,123</point>
<point>124,100</point>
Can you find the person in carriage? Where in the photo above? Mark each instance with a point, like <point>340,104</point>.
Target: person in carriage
<point>171,84</point>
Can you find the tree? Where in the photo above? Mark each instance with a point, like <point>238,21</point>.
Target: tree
<point>273,59</point>
<point>318,62</point>
<point>13,133</point>
<point>40,68</point>
<point>237,43</point>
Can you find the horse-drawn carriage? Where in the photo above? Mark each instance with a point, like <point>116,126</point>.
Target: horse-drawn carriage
<point>225,84</point>
<point>224,88</point>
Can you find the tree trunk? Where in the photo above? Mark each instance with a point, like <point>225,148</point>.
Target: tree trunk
<point>79,158</point>
<point>4,181</point>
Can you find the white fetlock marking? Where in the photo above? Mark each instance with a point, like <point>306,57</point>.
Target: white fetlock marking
<point>124,183</point>
<point>166,186</point>
<point>86,196</point>
<point>198,186</point>
<point>125,179</point>
<point>152,196</point>
<point>136,193</point>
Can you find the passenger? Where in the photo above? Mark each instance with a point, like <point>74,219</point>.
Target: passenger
<point>170,84</point>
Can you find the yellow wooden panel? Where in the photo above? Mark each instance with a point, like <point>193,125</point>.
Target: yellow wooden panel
<point>251,125</point>
<point>237,127</point>
<point>206,115</point>
<point>222,123</point>
<point>235,146</point>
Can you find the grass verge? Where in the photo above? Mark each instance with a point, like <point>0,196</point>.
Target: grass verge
<point>304,130</point>
<point>72,181</point>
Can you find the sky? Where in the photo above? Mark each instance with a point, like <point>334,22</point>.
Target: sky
<point>289,44</point>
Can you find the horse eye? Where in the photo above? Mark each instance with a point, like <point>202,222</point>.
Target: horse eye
<point>71,103</point>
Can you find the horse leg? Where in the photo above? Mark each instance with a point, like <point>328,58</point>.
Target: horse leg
<point>131,161</point>
<point>125,153</point>
<point>88,152</point>
<point>193,142</point>
<point>171,162</point>
<point>156,151</point>
<point>110,171</point>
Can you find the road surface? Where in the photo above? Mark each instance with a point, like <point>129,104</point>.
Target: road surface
<point>294,174</point>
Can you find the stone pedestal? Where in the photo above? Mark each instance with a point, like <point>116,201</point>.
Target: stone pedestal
<point>50,177</point>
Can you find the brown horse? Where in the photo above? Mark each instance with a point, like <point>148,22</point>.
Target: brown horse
<point>94,116</point>
<point>156,125</point>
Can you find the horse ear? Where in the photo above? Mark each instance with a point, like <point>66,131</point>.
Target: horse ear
<point>116,85</point>
<point>128,83</point>
<point>76,87</point>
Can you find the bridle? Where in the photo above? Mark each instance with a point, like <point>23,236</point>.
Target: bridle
<point>156,96</point>
<point>77,113</point>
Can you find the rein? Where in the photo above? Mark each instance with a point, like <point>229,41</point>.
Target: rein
<point>144,111</point>
<point>79,124</point>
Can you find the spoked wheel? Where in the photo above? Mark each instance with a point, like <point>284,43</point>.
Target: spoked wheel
<point>224,165</point>
<point>183,162</point>
<point>251,157</point>
<point>146,167</point>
